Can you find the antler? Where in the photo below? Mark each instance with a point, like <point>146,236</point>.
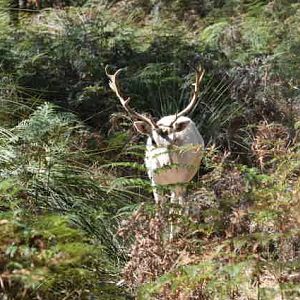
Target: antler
<point>125,102</point>
<point>193,101</point>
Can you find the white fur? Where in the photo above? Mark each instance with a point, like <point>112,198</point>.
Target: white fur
<point>175,157</point>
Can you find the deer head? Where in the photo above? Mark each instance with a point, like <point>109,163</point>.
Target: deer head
<point>175,129</point>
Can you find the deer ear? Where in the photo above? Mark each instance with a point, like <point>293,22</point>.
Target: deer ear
<point>142,127</point>
<point>181,126</point>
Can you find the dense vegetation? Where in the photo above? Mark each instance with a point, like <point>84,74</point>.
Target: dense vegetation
<point>77,217</point>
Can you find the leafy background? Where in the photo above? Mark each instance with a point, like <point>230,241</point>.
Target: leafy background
<point>77,216</point>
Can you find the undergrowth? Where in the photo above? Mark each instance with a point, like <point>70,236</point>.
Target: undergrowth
<point>72,178</point>
<point>239,240</point>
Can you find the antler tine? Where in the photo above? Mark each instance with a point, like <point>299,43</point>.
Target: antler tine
<point>175,119</point>
<point>199,75</point>
<point>125,102</point>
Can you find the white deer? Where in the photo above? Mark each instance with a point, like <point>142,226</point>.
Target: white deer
<point>174,146</point>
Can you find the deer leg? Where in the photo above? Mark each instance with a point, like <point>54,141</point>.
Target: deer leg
<point>182,200</point>
<point>180,194</point>
<point>160,200</point>
<point>177,197</point>
<point>157,194</point>
<point>173,197</point>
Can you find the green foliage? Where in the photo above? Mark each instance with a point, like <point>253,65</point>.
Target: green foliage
<point>211,34</point>
<point>46,257</point>
<point>65,188</point>
<point>45,169</point>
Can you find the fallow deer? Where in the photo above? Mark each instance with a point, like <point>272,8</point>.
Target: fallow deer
<point>174,146</point>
